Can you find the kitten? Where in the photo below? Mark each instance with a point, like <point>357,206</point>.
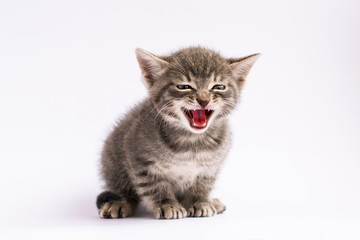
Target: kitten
<point>169,149</point>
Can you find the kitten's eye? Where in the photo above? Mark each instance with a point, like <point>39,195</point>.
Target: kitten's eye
<point>183,86</point>
<point>218,87</point>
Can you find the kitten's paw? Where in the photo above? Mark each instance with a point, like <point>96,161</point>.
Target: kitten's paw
<point>116,209</point>
<point>169,211</point>
<point>219,206</point>
<point>202,209</point>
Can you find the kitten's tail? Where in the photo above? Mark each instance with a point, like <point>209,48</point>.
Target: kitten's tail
<point>106,196</point>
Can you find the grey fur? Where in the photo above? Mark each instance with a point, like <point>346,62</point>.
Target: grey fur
<point>153,154</point>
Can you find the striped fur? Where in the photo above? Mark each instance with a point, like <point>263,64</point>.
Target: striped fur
<point>153,154</point>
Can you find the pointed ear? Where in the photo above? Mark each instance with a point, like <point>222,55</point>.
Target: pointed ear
<point>151,66</point>
<point>241,66</point>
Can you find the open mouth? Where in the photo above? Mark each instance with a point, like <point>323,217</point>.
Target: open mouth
<point>198,118</point>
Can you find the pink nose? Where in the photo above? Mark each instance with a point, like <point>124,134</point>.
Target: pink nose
<point>202,103</point>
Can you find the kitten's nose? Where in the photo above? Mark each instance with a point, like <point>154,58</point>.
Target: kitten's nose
<point>203,103</point>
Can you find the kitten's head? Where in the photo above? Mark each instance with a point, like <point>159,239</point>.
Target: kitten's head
<point>194,87</point>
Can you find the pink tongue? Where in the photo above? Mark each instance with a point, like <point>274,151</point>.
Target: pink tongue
<point>199,117</point>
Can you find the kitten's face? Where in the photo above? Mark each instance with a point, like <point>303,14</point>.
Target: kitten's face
<point>195,103</point>
<point>194,87</point>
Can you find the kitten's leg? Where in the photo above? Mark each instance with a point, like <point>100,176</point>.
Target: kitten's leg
<point>197,201</point>
<point>111,205</point>
<point>158,193</point>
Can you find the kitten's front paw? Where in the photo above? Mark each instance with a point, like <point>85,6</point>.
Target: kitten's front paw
<point>202,209</point>
<point>169,211</point>
<point>219,206</point>
<point>116,209</point>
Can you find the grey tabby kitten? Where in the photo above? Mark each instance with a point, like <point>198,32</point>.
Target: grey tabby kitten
<point>169,149</point>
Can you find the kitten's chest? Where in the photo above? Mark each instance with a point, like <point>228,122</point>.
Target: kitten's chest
<point>183,169</point>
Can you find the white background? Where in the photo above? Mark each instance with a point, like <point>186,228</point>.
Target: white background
<point>68,72</point>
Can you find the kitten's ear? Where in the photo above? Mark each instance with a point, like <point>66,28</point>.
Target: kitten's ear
<point>151,66</point>
<point>241,66</point>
